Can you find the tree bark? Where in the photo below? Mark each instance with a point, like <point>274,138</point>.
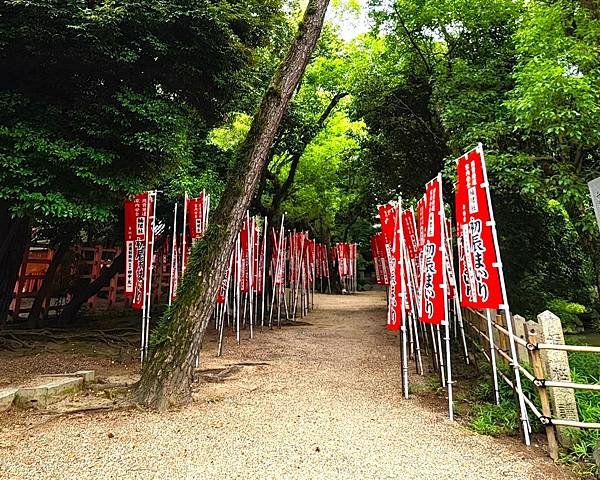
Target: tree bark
<point>168,373</point>
<point>15,236</point>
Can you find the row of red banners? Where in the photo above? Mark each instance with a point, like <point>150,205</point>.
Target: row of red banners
<point>139,238</point>
<point>413,256</point>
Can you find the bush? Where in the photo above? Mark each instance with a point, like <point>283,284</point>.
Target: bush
<point>492,419</point>
<point>569,313</point>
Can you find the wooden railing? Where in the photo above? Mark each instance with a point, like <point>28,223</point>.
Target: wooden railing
<point>476,326</point>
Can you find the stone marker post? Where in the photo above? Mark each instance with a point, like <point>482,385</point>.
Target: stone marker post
<point>556,367</point>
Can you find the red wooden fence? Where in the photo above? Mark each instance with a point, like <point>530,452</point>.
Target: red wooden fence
<point>87,264</point>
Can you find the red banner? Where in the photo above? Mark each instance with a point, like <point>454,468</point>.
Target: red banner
<point>130,237</point>
<point>138,232</point>
<point>325,260</point>
<point>195,217</point>
<point>246,240</point>
<point>383,258</point>
<point>433,298</point>
<point>410,233</point>
<point>376,260</point>
<point>478,272</point>
<point>222,293</point>
<point>421,218</point>
<point>390,220</point>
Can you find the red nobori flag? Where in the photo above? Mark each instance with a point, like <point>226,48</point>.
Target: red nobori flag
<point>138,229</point>
<point>130,237</point>
<point>478,265</point>
<point>278,257</point>
<point>379,259</point>
<point>376,264</point>
<point>245,244</point>
<point>433,297</point>
<point>222,293</point>
<point>195,217</point>
<point>390,224</point>
<point>383,258</point>
<point>325,261</point>
<point>410,233</point>
<point>421,207</point>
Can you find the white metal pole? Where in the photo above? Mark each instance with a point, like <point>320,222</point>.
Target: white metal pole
<point>403,329</point>
<point>183,236</point>
<point>150,273</point>
<point>237,289</point>
<point>264,274</point>
<point>250,231</point>
<point>505,307</point>
<point>144,282</point>
<point>445,293</point>
<point>458,311</point>
<point>173,256</point>
<point>493,355</point>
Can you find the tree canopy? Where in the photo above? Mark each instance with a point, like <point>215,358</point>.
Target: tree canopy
<point>103,100</point>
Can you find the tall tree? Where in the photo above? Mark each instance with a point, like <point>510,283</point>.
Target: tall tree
<point>168,373</point>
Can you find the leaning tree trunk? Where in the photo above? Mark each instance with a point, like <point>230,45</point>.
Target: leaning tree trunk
<point>84,292</point>
<point>15,235</point>
<point>168,374</point>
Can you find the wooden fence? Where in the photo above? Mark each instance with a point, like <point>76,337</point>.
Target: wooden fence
<point>85,265</point>
<point>554,411</point>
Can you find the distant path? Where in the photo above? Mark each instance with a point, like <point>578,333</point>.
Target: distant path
<point>327,406</point>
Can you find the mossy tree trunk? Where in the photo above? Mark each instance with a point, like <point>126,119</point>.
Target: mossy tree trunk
<point>168,373</point>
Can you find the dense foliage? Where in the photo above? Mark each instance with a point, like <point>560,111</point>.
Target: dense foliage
<point>523,79</point>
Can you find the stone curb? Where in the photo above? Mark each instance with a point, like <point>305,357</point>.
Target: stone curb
<point>40,396</point>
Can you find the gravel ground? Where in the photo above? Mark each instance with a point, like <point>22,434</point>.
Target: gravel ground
<point>326,405</point>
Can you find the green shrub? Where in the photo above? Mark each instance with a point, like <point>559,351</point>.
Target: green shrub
<point>492,419</point>
<point>569,313</point>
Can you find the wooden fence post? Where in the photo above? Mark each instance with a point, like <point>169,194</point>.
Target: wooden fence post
<point>535,358</point>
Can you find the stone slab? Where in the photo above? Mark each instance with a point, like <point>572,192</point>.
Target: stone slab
<point>32,397</point>
<point>7,397</point>
<point>64,385</point>
<point>40,396</point>
<point>87,375</point>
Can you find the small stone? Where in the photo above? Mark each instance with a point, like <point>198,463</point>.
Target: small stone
<point>111,435</point>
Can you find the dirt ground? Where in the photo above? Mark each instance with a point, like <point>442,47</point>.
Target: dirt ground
<point>321,400</point>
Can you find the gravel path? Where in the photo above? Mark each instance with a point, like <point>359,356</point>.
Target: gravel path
<point>326,406</point>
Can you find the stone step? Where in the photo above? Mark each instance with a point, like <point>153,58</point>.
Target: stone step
<point>7,397</point>
<point>40,396</point>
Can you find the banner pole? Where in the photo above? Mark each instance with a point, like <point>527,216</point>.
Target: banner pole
<point>488,314</point>
<point>144,282</point>
<point>173,255</point>
<point>264,274</point>
<point>183,239</point>
<point>505,309</point>
<point>151,268</point>
<point>445,290</point>
<point>225,305</point>
<point>457,309</point>
<point>250,271</point>
<point>403,330</point>
<point>238,274</point>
